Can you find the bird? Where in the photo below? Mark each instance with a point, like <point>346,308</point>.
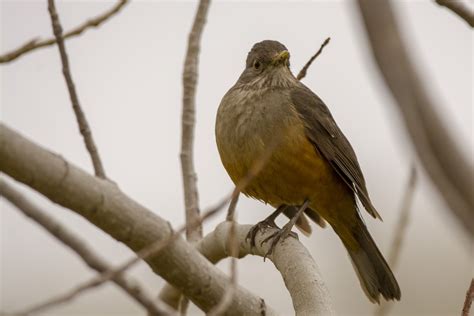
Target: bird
<point>311,169</point>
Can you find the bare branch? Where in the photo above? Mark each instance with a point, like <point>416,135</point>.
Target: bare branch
<point>37,43</point>
<point>80,116</point>
<point>233,246</point>
<point>232,205</point>
<point>299,271</point>
<point>469,298</point>
<point>303,71</point>
<point>190,75</point>
<point>402,225</point>
<point>460,9</point>
<point>400,232</point>
<point>153,249</point>
<point>433,142</point>
<point>68,238</point>
<point>171,296</point>
<point>103,204</point>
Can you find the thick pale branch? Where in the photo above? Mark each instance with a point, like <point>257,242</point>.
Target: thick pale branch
<point>36,43</point>
<point>103,204</point>
<point>74,242</point>
<point>190,76</point>
<point>435,145</point>
<point>298,269</point>
<point>460,9</point>
<point>152,249</point>
<point>80,116</point>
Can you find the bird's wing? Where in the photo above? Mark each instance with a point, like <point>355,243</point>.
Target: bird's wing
<point>328,139</point>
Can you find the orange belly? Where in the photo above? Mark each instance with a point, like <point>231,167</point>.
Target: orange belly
<point>294,172</point>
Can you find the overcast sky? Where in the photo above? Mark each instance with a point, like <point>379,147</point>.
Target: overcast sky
<point>128,77</point>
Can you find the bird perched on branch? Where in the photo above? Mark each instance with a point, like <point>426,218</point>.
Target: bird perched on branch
<point>310,168</point>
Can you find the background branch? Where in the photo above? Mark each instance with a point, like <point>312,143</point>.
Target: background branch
<point>190,75</point>
<point>469,297</point>
<point>80,116</point>
<point>103,204</point>
<point>37,43</point>
<point>400,232</point>
<point>403,219</point>
<point>74,242</point>
<point>437,149</point>
<point>460,9</point>
<point>303,71</point>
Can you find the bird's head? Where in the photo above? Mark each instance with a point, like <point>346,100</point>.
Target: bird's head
<point>268,64</point>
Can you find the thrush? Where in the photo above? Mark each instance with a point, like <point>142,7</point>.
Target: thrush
<point>312,168</point>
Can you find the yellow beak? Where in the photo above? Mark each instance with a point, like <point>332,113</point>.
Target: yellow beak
<point>281,58</point>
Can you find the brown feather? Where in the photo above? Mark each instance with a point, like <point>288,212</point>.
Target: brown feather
<point>328,139</point>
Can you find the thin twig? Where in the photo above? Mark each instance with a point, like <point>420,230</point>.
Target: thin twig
<point>233,246</point>
<point>183,306</point>
<point>190,75</point>
<point>469,298</point>
<point>403,220</point>
<point>303,71</point>
<point>37,43</point>
<point>400,231</point>
<point>80,116</point>
<point>93,260</point>
<point>460,9</point>
<point>232,206</point>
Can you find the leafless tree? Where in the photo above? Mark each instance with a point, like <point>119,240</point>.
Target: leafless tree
<point>183,263</point>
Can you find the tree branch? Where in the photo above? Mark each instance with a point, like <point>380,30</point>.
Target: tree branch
<point>400,232</point>
<point>469,298</point>
<point>80,116</point>
<point>112,273</point>
<point>402,225</point>
<point>460,9</point>
<point>434,144</point>
<point>68,238</point>
<point>233,246</point>
<point>303,71</point>
<point>103,204</point>
<point>190,75</point>
<point>299,271</point>
<point>36,43</point>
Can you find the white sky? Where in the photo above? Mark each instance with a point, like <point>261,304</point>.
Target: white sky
<point>128,76</point>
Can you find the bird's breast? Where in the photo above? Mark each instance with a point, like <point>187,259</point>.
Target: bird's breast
<point>247,122</point>
<point>247,126</point>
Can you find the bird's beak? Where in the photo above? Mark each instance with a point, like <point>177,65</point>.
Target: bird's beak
<point>281,58</point>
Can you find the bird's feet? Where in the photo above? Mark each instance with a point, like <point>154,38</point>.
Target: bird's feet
<point>260,226</point>
<point>275,237</point>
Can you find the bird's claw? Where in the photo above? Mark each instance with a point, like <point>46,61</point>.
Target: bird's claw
<point>258,227</point>
<point>276,236</point>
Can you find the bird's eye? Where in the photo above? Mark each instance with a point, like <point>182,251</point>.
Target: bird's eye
<point>257,65</point>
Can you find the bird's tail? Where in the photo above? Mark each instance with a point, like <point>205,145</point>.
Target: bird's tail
<point>373,271</point>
